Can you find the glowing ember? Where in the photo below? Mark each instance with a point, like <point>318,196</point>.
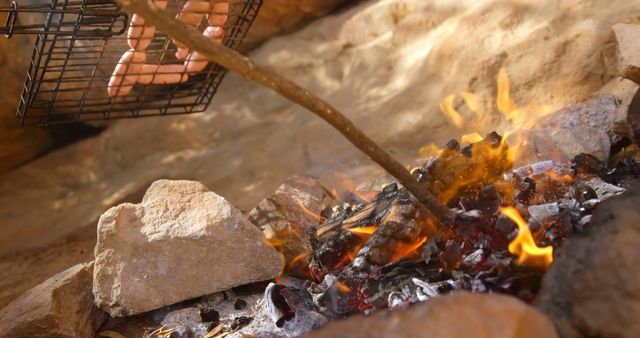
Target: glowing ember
<point>364,230</point>
<point>524,246</point>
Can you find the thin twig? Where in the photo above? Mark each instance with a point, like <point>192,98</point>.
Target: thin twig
<point>239,63</point>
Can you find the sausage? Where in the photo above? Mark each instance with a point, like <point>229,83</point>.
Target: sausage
<point>139,36</point>
<point>196,61</point>
<point>163,74</point>
<point>193,13</point>
<point>219,14</point>
<point>126,73</point>
<point>132,67</point>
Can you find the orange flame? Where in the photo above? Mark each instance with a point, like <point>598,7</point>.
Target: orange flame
<point>524,245</point>
<point>367,231</point>
<point>350,185</point>
<point>403,249</point>
<point>516,120</point>
<point>311,213</point>
<point>448,109</point>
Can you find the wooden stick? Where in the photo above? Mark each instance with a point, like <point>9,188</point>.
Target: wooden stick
<point>239,63</point>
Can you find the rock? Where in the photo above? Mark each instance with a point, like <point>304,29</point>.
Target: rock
<point>456,315</point>
<point>571,131</point>
<point>62,306</point>
<point>286,214</point>
<point>286,207</point>
<point>628,36</point>
<point>591,289</point>
<point>181,242</point>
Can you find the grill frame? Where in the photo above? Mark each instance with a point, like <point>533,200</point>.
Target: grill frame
<point>79,44</point>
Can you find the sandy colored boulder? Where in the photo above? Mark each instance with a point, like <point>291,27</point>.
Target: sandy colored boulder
<point>62,306</point>
<point>183,241</point>
<point>628,37</point>
<point>453,316</point>
<point>592,288</point>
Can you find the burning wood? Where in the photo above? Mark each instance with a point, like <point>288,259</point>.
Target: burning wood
<point>391,252</point>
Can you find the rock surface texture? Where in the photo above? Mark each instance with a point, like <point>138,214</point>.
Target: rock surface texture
<point>592,288</point>
<point>452,316</point>
<point>387,64</point>
<point>628,36</point>
<point>183,241</point>
<point>62,306</point>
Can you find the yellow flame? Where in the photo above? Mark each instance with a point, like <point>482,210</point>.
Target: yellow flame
<point>524,245</point>
<point>472,100</point>
<point>471,138</point>
<point>363,230</point>
<point>503,99</point>
<point>448,109</point>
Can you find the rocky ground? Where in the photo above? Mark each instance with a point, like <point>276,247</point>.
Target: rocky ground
<point>387,64</point>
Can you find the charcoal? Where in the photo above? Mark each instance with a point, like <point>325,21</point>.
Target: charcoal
<point>585,193</point>
<point>304,322</point>
<point>504,225</point>
<point>540,213</point>
<point>276,306</point>
<point>603,189</point>
<point>210,315</point>
<point>475,167</point>
<point>240,322</point>
<point>586,164</point>
<point>525,190</point>
<point>473,259</point>
<point>240,304</point>
<point>425,290</point>
<point>398,300</point>
<point>591,204</point>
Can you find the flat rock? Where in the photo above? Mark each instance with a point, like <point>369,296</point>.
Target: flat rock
<point>572,131</point>
<point>62,306</point>
<point>462,314</point>
<point>287,213</point>
<point>627,36</point>
<point>183,241</point>
<point>295,204</point>
<point>592,288</point>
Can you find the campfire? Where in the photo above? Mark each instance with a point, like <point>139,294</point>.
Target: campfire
<point>377,247</point>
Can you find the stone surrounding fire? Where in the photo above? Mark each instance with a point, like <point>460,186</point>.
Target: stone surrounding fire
<point>453,316</point>
<point>592,289</point>
<point>62,306</point>
<point>287,214</point>
<point>183,241</point>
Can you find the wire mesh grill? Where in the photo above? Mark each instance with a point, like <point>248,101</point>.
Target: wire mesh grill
<point>81,47</point>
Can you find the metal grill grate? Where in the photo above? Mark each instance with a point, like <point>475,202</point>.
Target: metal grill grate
<point>81,42</point>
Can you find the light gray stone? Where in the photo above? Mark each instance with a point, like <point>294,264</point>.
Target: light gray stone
<point>183,241</point>
<point>62,306</point>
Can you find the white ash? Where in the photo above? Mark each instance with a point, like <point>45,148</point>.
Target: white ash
<point>603,189</point>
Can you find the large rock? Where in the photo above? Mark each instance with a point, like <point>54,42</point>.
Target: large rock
<point>592,288</point>
<point>452,316</point>
<point>628,36</point>
<point>62,306</point>
<point>183,241</point>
